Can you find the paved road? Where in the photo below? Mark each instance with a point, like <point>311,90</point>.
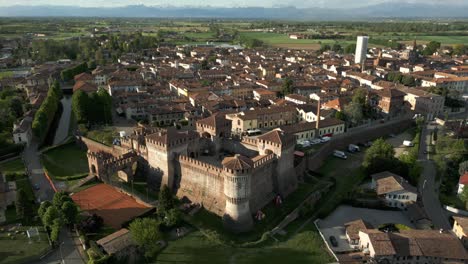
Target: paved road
<point>36,173</point>
<point>67,251</point>
<point>428,186</point>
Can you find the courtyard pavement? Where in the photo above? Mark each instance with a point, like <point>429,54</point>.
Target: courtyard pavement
<point>333,225</point>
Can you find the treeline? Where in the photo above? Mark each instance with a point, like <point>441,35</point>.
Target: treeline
<point>69,73</point>
<point>248,42</point>
<point>90,49</point>
<point>45,115</point>
<point>92,109</point>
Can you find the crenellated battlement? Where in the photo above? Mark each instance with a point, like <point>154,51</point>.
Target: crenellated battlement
<point>264,160</point>
<point>250,141</point>
<point>199,164</point>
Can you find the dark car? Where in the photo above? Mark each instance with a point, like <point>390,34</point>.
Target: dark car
<point>333,241</point>
<point>37,187</point>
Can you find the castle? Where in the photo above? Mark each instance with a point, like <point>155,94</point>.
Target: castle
<point>233,178</point>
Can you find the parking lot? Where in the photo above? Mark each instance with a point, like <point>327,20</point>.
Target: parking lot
<point>333,225</point>
<point>397,142</point>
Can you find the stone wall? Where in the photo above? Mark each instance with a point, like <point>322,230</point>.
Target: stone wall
<point>202,183</point>
<point>341,142</point>
<point>261,187</point>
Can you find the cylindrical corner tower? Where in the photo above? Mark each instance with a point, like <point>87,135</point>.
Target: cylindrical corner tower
<point>237,172</point>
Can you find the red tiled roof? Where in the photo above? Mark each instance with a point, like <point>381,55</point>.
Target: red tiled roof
<point>464,179</point>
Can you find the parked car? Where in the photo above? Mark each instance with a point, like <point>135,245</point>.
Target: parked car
<point>333,241</point>
<point>325,139</point>
<point>353,148</point>
<point>37,187</point>
<point>315,141</point>
<point>340,154</point>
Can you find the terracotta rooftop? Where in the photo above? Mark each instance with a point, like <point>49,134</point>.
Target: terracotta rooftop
<point>464,179</point>
<point>388,182</point>
<point>277,137</point>
<point>238,162</point>
<point>353,228</point>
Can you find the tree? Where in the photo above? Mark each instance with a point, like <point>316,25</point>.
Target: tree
<point>166,201</point>
<point>43,208</point>
<point>55,229</point>
<point>336,47</point>
<point>172,217</point>
<point>16,106</point>
<point>379,157</point>
<point>145,232</point>
<point>340,115</point>
<point>408,80</point>
<point>50,215</point>
<point>351,48</point>
<point>80,102</point>
<point>354,112</point>
<point>287,87</point>
<point>70,212</point>
<point>459,49</point>
<point>463,167</point>
<point>60,198</point>
<point>431,48</point>
<point>359,97</point>
<point>22,204</point>
<point>91,224</point>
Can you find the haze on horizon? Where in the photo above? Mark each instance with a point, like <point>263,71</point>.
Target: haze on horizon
<point>224,3</point>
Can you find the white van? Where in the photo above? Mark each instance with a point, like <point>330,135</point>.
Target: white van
<point>408,143</point>
<point>339,154</point>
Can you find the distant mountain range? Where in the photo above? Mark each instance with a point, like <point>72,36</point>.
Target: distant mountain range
<point>386,10</point>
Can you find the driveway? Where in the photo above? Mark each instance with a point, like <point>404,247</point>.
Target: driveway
<point>36,175</point>
<point>344,214</point>
<point>428,188</point>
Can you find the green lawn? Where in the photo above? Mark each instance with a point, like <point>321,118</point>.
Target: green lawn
<point>13,166</point>
<point>18,248</point>
<point>305,247</point>
<point>104,135</point>
<point>66,162</point>
<point>347,174</point>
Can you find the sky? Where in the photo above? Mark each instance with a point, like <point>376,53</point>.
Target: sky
<point>221,3</point>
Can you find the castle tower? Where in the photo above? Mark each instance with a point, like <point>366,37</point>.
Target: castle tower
<point>282,145</point>
<point>237,172</point>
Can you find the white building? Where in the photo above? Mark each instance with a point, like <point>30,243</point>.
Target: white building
<point>22,133</point>
<point>462,182</point>
<point>361,49</point>
<point>393,189</point>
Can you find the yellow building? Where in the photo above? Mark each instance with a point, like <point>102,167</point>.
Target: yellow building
<point>460,228</point>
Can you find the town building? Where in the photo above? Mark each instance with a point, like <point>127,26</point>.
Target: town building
<point>393,189</point>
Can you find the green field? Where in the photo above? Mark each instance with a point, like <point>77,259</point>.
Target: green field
<point>305,247</point>
<point>18,248</point>
<point>13,166</point>
<point>66,162</point>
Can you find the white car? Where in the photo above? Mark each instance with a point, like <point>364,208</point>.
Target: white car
<point>325,139</point>
<point>315,141</point>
